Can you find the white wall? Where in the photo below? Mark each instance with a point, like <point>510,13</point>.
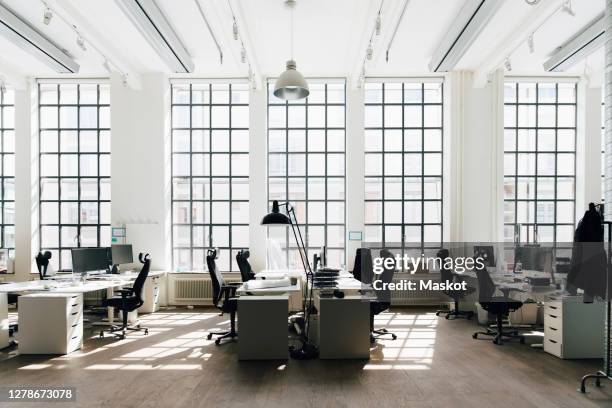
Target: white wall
<point>140,182</point>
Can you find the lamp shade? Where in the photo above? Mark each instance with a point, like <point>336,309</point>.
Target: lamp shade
<point>275,217</point>
<point>291,84</point>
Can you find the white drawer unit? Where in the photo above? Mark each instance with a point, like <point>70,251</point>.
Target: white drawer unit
<point>50,323</point>
<point>151,294</point>
<point>573,329</point>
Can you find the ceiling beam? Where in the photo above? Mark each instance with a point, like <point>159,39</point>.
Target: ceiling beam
<point>537,16</point>
<point>586,41</point>
<point>86,28</point>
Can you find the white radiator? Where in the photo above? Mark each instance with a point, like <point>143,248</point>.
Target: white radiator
<point>416,297</point>
<point>192,290</point>
<point>197,291</point>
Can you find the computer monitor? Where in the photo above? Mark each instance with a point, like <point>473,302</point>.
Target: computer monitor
<point>323,255</point>
<point>535,258</point>
<point>122,254</point>
<point>487,253</point>
<point>90,259</point>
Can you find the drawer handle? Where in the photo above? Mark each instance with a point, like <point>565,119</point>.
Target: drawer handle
<point>75,313</point>
<point>75,305</point>
<point>553,316</point>
<point>552,328</point>
<point>553,307</point>
<point>552,341</point>
<point>75,325</point>
<point>75,337</point>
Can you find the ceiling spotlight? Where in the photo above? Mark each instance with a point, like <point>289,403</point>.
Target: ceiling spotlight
<point>378,24</point>
<point>47,16</point>
<point>243,55</point>
<point>532,2</point>
<point>107,66</point>
<point>567,8</point>
<point>369,52</point>
<point>508,64</point>
<point>530,43</point>
<point>81,43</point>
<point>235,30</point>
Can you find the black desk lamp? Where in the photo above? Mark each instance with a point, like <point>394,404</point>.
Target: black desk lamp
<point>307,351</point>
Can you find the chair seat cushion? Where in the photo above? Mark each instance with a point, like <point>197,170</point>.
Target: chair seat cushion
<point>118,302</point>
<point>500,304</point>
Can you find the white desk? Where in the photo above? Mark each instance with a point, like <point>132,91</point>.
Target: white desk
<point>46,286</point>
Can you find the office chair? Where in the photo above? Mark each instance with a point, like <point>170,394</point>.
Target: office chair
<point>221,289</point>
<point>446,276</point>
<point>130,300</point>
<point>500,306</point>
<point>42,263</point>
<point>363,268</point>
<point>383,297</point>
<point>242,258</point>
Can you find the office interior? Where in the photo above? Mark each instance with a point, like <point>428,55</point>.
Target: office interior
<point>194,194</point>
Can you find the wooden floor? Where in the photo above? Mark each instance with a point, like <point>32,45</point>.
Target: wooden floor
<point>433,363</point>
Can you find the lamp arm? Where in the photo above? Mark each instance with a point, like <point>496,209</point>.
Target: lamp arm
<point>300,241</point>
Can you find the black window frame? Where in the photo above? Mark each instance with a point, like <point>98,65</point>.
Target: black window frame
<point>102,228</point>
<point>207,202</point>
<point>405,246</point>
<point>290,248</point>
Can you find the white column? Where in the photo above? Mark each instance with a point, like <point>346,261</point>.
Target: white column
<point>26,181</point>
<point>588,148</point>
<point>474,167</point>
<point>355,186</point>
<point>258,187</point>
<point>140,160</point>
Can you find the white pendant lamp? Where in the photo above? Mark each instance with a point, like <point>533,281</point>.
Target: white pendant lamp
<point>291,85</point>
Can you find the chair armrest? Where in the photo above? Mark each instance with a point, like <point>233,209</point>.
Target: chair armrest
<point>229,290</point>
<point>125,292</point>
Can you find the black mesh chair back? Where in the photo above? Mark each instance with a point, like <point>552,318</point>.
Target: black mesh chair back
<point>363,268</point>
<point>215,276</point>
<point>446,275</point>
<point>384,295</point>
<point>242,259</point>
<point>486,286</point>
<point>142,277</point>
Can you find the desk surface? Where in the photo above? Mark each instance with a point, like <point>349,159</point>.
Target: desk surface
<point>54,286</point>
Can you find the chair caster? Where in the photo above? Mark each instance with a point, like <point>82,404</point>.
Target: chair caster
<point>438,313</point>
<point>217,342</point>
<point>475,335</point>
<point>394,337</point>
<point>447,316</point>
<point>101,334</point>
<point>146,332</point>
<point>209,336</point>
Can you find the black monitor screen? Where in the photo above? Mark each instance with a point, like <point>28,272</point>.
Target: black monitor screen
<point>535,258</point>
<point>90,259</point>
<point>122,254</point>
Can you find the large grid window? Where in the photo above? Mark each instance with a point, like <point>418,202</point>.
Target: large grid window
<point>74,162</point>
<point>539,161</point>
<point>7,170</point>
<point>306,166</point>
<point>403,164</point>
<point>210,173</point>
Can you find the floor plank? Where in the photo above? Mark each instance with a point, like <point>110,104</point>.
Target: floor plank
<point>433,363</point>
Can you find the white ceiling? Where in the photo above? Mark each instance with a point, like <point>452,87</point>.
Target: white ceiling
<point>330,36</point>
